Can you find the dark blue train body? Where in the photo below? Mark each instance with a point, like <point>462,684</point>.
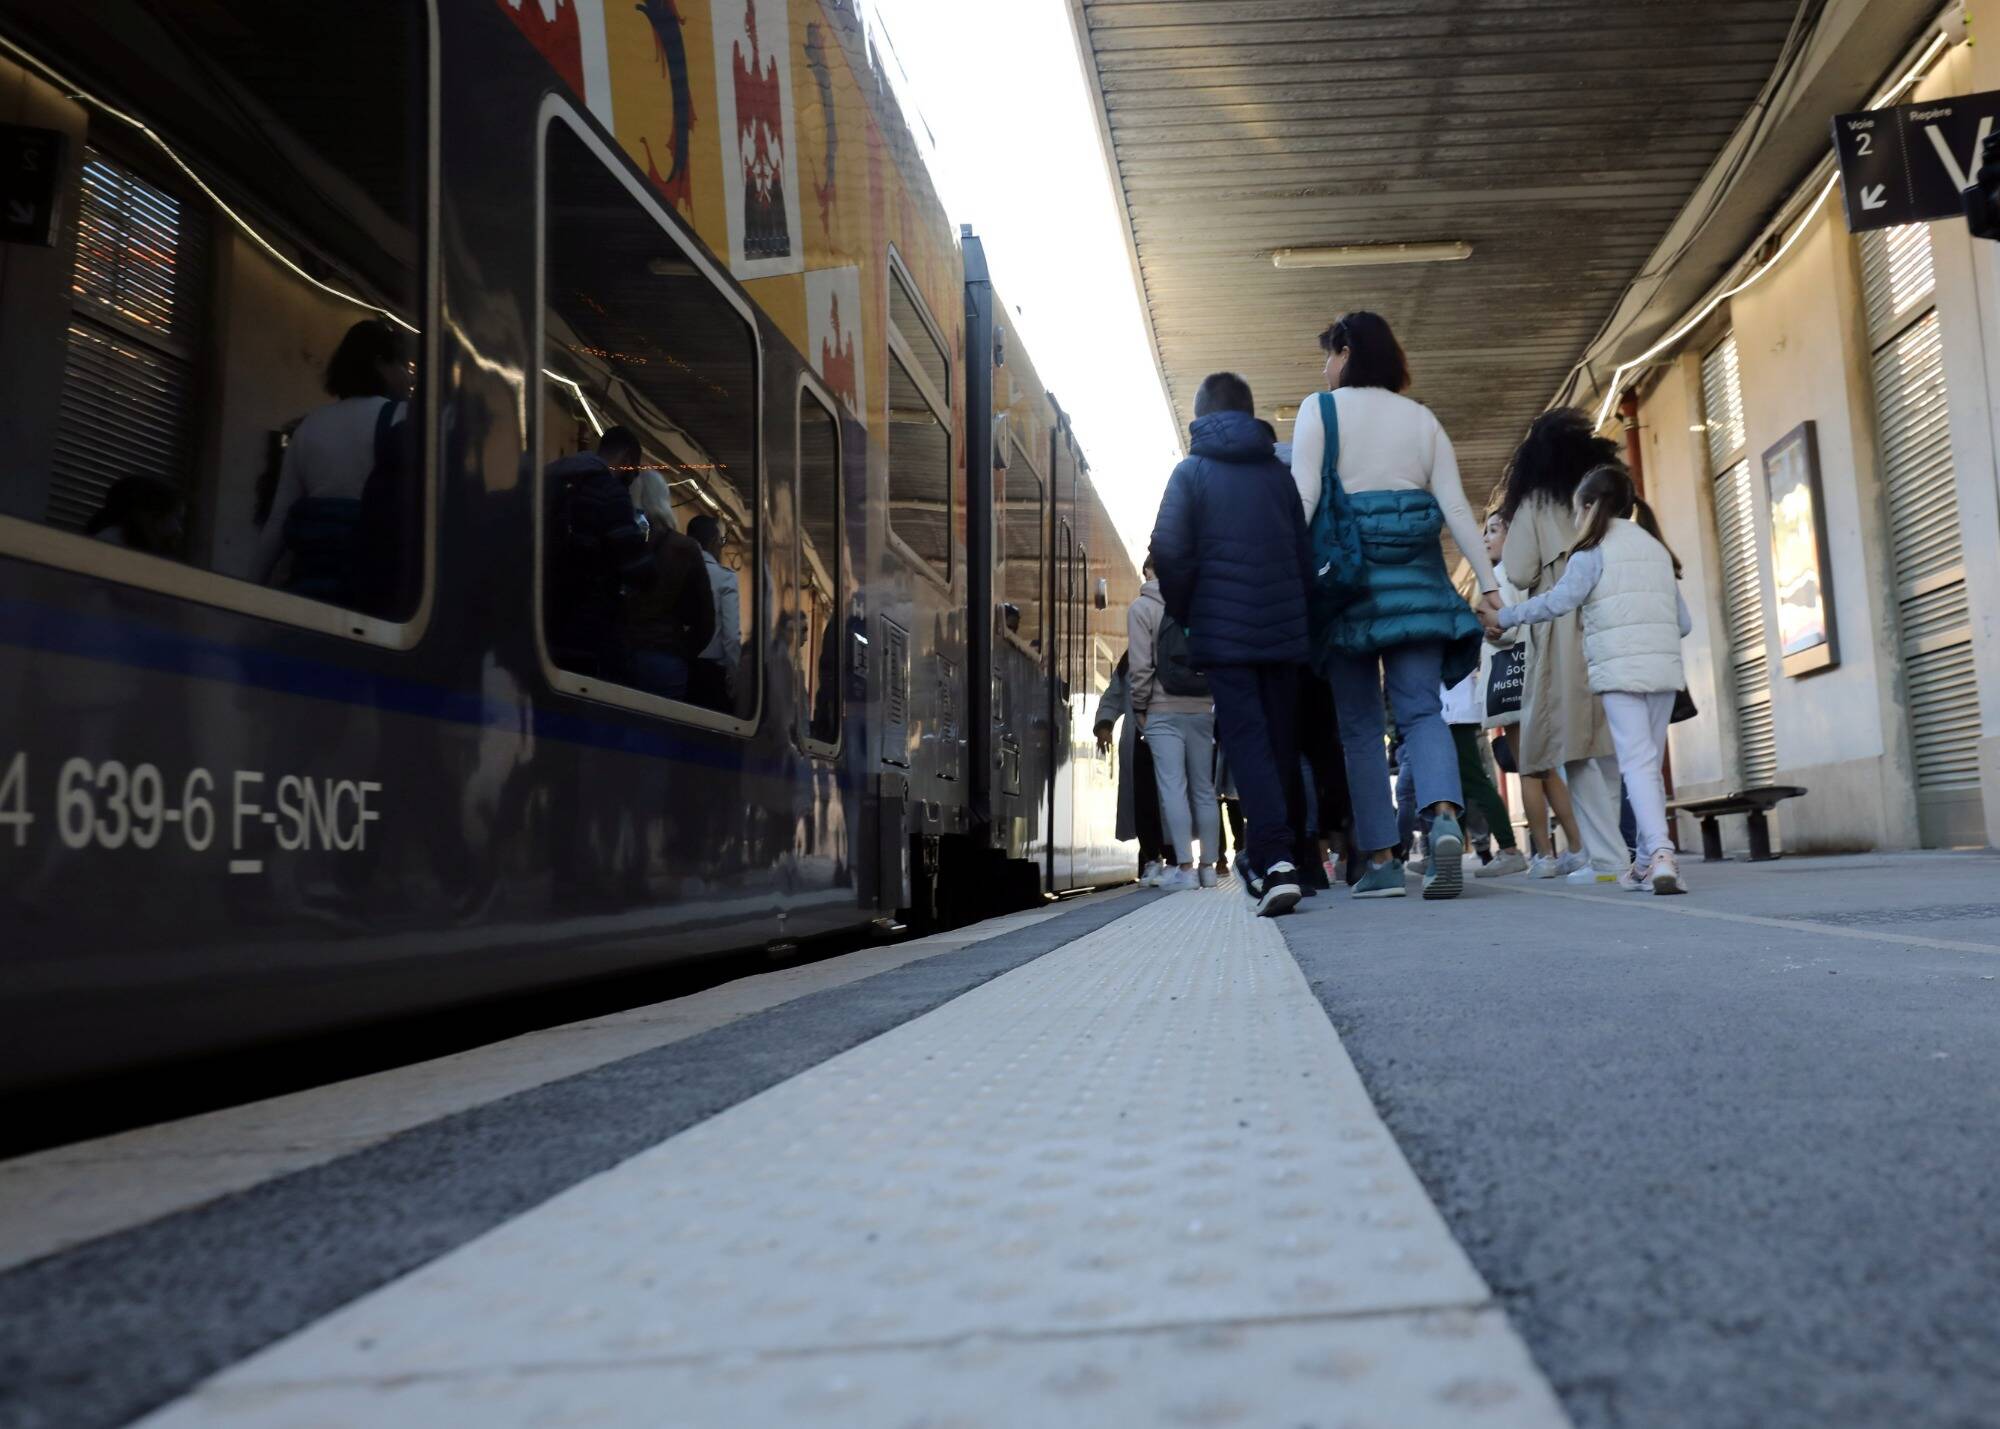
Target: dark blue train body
<point>230,813</point>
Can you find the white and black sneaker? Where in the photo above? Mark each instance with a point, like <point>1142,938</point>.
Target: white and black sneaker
<point>1280,890</point>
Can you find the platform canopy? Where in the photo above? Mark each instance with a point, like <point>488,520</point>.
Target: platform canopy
<point>1562,140</point>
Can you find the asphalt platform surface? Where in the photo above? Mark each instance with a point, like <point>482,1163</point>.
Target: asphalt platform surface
<point>1731,1159</point>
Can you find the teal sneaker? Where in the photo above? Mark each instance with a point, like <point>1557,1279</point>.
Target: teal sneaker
<point>1445,878</point>
<point>1382,880</point>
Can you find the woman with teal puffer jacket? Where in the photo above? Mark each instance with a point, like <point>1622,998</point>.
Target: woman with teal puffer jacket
<point>1388,469</point>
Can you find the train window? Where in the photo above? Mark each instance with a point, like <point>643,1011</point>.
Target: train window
<point>208,347</point>
<point>1022,575</point>
<point>818,639</point>
<point>920,460</point>
<point>649,450</point>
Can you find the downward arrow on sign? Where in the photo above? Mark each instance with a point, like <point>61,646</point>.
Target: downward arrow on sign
<point>1873,197</point>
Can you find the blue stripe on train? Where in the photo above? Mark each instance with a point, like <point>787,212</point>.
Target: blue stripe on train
<point>121,641</point>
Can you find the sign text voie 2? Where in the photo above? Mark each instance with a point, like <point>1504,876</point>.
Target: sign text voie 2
<point>1908,164</point>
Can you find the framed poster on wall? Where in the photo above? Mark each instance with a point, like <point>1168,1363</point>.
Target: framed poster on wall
<point>1807,638</point>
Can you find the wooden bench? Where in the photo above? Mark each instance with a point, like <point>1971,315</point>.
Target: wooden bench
<point>1755,803</point>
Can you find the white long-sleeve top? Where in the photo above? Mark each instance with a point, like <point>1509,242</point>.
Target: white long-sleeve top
<point>330,454</point>
<point>1389,443</point>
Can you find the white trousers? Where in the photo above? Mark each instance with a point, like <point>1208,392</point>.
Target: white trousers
<point>1593,793</point>
<point>1639,733</point>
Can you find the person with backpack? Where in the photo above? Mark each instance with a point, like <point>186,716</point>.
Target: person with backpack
<point>670,619</point>
<point>1378,476</point>
<point>1175,713</point>
<point>712,681</point>
<point>1626,583</point>
<point>1230,548</point>
<point>317,515</point>
<point>594,552</point>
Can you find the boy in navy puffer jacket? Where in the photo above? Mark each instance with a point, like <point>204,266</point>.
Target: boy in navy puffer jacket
<point>1234,563</point>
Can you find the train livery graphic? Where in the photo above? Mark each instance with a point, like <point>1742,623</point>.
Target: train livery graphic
<point>339,687</point>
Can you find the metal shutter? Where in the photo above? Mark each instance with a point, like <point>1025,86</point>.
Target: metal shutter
<point>1722,404</point>
<point>1743,617</point>
<point>1742,571</point>
<point>1920,487</point>
<point>129,377</point>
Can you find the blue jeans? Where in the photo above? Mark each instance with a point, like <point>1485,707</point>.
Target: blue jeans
<point>1256,718</point>
<point>657,672</point>
<point>1412,674</point>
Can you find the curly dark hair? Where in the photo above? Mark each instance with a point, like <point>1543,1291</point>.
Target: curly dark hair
<point>1561,448</point>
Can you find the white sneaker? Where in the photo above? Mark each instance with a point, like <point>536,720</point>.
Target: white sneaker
<point>1150,876</point>
<point>1541,866</point>
<point>1177,880</point>
<point>1570,862</point>
<point>1588,876</point>
<point>1208,879</point>
<point>1664,873</point>
<point>1635,879</point>
<point>1507,861</point>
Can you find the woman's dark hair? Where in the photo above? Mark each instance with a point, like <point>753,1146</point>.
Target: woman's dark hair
<point>1374,357</point>
<point>355,369</point>
<point>1605,494</point>
<point>1561,446</point>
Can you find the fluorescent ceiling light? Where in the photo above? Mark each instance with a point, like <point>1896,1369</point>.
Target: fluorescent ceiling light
<point>1370,255</point>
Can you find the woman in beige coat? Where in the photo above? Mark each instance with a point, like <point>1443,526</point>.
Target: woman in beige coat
<point>1562,723</point>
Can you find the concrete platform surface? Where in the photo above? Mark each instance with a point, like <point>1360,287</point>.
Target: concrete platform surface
<point>1133,1181</point>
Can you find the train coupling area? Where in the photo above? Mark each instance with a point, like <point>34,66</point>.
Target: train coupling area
<point>1101,1164</point>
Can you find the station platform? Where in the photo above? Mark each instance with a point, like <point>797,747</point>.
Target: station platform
<point>1109,1163</point>
<point>1132,1179</point>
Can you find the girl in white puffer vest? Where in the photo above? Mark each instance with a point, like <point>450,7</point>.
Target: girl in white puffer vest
<point>1627,583</point>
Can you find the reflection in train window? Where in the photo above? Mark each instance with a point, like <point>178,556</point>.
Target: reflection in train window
<point>1064,614</point>
<point>221,391</point>
<point>1021,574</point>
<point>920,472</point>
<point>649,445</point>
<point>818,639</point>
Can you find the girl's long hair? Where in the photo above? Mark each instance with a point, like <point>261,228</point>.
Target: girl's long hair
<point>1605,494</point>
<point>1560,448</point>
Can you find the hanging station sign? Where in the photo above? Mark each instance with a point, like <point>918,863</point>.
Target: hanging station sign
<point>1910,163</point>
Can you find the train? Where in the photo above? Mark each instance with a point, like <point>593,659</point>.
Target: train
<point>303,309</point>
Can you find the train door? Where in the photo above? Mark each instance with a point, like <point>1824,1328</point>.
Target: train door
<point>812,631</point>
<point>1062,749</point>
<point>1084,691</point>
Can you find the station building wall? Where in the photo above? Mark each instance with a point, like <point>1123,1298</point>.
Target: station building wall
<point>1804,354</point>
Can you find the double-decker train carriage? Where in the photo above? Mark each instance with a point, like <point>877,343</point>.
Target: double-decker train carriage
<point>337,687</point>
